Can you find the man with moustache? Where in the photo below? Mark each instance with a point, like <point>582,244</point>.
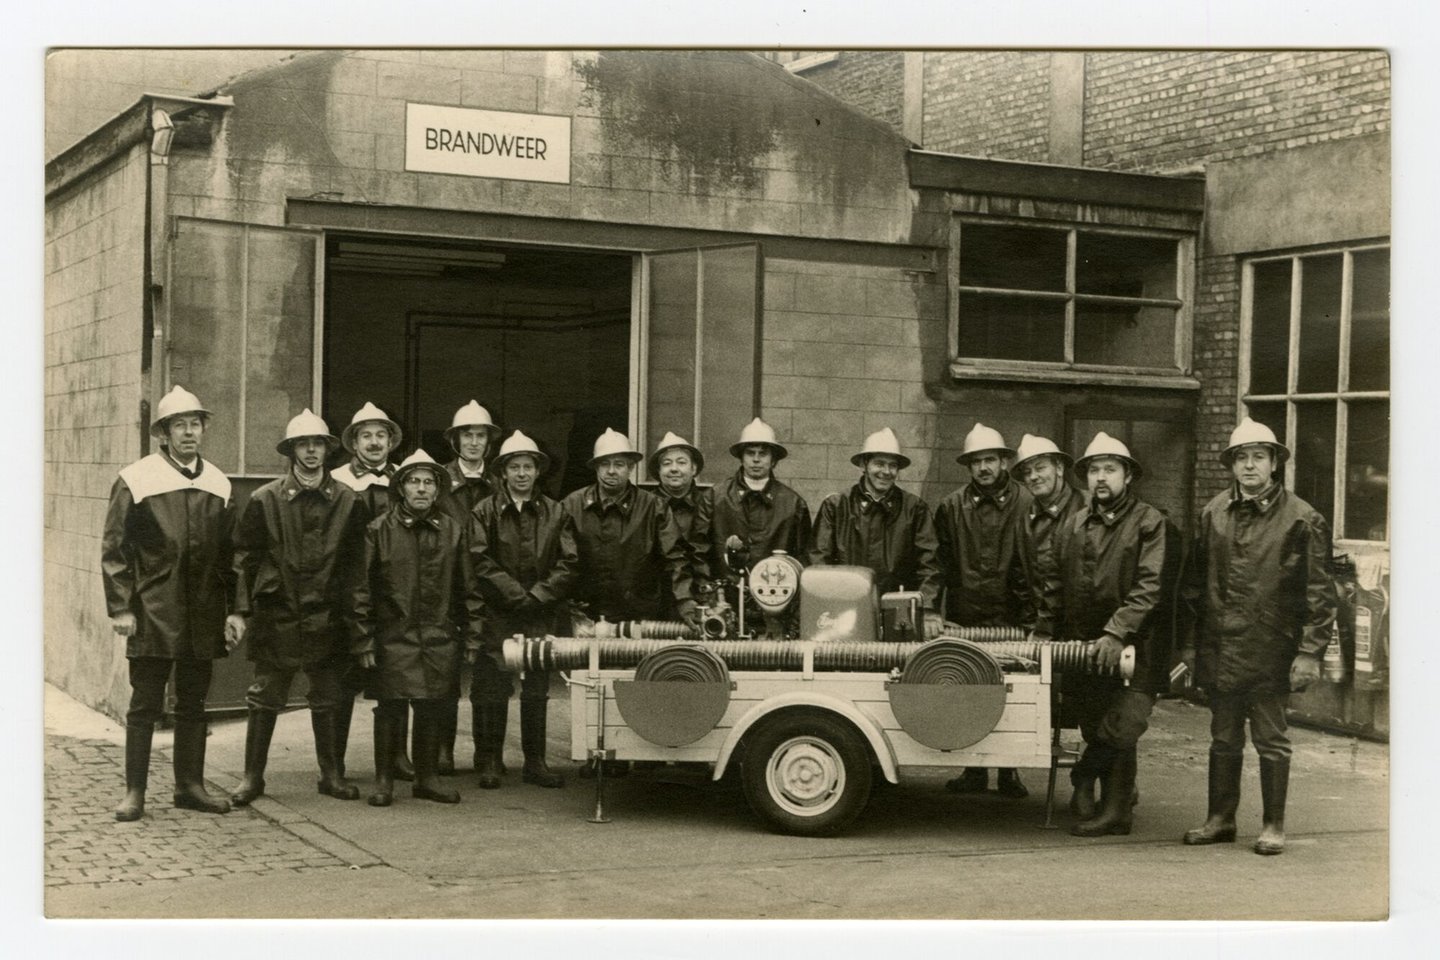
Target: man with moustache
<point>470,435</point>
<point>979,528</point>
<point>165,556</point>
<point>298,549</point>
<point>370,439</point>
<point>408,622</point>
<point>880,526</point>
<point>524,560</point>
<point>1259,587</point>
<point>1108,581</point>
<point>675,463</point>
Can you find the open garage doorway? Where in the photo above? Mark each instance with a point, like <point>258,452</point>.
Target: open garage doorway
<point>540,337</point>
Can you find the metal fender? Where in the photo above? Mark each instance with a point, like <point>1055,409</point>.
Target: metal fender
<point>802,698</point>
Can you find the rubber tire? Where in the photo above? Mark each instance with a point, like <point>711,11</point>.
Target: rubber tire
<point>811,732</point>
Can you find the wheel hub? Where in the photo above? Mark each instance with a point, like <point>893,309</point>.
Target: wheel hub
<point>805,775</point>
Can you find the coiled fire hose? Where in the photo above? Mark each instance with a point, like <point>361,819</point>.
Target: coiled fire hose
<point>569,653</point>
<point>951,661</point>
<point>690,663</point>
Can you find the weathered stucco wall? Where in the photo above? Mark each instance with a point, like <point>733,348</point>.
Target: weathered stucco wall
<point>94,278</point>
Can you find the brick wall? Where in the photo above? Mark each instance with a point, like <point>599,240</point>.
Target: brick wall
<point>988,104</point>
<point>94,274</point>
<point>1216,359</point>
<point>872,81</point>
<point>85,88</point>
<point>1158,110</point>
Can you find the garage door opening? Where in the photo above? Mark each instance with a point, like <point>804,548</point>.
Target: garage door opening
<point>540,337</point>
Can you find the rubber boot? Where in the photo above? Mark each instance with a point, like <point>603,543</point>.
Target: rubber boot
<point>404,769</point>
<point>341,721</point>
<point>1115,816</point>
<point>259,728</point>
<point>449,721</point>
<point>190,793</point>
<point>1082,799</point>
<point>1224,800</point>
<point>973,780</point>
<point>532,743</point>
<point>1274,785</point>
<point>1009,785</point>
<point>489,728</point>
<point>137,771</point>
<point>427,786</point>
<point>386,712</point>
<point>331,783</point>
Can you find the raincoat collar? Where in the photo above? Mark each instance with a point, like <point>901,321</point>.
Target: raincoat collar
<point>1111,513</point>
<point>1000,493</point>
<point>1264,503</point>
<point>865,498</point>
<point>409,519</point>
<point>623,503</point>
<point>292,487</point>
<point>742,490</point>
<point>1058,501</point>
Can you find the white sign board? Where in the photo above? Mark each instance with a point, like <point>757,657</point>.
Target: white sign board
<point>487,143</point>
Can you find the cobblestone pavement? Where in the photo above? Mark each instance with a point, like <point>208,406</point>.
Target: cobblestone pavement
<point>84,845</point>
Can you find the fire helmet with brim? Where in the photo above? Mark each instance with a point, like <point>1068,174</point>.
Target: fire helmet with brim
<point>884,443</point>
<point>518,444</point>
<point>612,443</point>
<point>173,404</point>
<point>1032,446</point>
<point>1248,433</point>
<point>306,424</point>
<point>1105,445</point>
<point>419,460</point>
<point>673,441</point>
<point>370,414</point>
<point>983,439</point>
<point>758,433</point>
<point>471,415</point>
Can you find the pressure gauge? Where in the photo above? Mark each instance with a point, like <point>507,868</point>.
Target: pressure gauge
<point>774,581</point>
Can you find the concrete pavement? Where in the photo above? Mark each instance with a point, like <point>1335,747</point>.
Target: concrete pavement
<point>680,846</point>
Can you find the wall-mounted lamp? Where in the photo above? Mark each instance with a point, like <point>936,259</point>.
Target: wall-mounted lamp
<point>164,128</point>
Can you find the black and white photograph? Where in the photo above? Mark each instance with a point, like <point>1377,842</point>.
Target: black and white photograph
<point>709,483</point>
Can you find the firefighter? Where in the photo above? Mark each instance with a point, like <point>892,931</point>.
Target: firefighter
<point>632,557</point>
<point>370,439</point>
<point>298,549</point>
<point>753,505</point>
<point>980,528</point>
<point>524,561</point>
<point>471,434</point>
<point>876,524</point>
<point>1106,585</point>
<point>165,558</point>
<point>1043,468</point>
<point>1259,587</point>
<point>676,463</point>
<point>408,620</point>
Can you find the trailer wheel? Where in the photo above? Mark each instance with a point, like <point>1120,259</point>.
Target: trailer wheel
<point>806,775</point>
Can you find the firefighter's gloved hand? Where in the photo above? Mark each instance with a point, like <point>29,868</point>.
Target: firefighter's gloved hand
<point>1107,654</point>
<point>367,661</point>
<point>934,625</point>
<point>234,631</point>
<point>689,613</point>
<point>123,624</point>
<point>1304,670</point>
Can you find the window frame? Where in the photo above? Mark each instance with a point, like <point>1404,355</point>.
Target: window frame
<point>1341,396</point>
<point>1176,376</point>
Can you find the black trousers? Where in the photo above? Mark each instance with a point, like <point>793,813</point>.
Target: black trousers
<point>270,690</point>
<point>148,676</point>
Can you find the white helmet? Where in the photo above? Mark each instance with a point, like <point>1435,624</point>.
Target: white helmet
<point>306,424</point>
<point>177,401</point>
<point>1105,445</point>
<point>757,431</point>
<point>983,439</point>
<point>472,415</point>
<point>1032,446</point>
<point>370,414</point>
<point>671,440</point>
<point>613,444</point>
<point>884,442</point>
<point>1249,432</point>
<point>516,444</point>
<point>419,460</point>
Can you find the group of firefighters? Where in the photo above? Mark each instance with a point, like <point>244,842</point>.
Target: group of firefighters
<point>381,578</point>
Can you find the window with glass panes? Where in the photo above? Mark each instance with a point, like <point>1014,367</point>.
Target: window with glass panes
<point>1071,297</point>
<point>1316,370</point>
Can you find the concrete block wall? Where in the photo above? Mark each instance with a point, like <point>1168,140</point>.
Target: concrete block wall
<point>988,104</point>
<point>1150,111</point>
<point>94,278</point>
<point>773,155</point>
